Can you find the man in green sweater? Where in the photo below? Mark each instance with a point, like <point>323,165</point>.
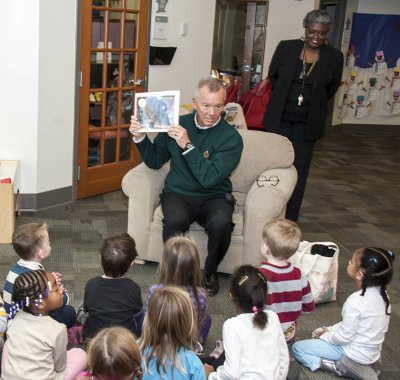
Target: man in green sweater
<point>203,151</point>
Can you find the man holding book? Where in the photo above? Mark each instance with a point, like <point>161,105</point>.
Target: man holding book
<point>203,151</point>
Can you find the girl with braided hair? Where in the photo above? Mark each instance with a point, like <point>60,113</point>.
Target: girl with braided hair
<point>352,347</point>
<point>36,346</point>
<point>255,347</point>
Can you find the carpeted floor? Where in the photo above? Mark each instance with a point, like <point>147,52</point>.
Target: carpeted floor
<point>352,198</point>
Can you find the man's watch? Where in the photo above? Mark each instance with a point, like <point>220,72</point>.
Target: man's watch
<point>188,146</point>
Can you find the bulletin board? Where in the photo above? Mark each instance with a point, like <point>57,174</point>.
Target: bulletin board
<point>370,90</point>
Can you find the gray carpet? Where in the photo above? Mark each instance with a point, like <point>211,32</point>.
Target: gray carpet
<point>352,198</point>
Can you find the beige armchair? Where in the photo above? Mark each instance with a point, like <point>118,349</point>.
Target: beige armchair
<point>264,154</point>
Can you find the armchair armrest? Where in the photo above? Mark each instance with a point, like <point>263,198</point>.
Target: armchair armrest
<point>142,185</point>
<point>264,204</point>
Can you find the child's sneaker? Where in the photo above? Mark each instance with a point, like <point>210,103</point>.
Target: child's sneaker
<point>218,350</point>
<point>355,370</point>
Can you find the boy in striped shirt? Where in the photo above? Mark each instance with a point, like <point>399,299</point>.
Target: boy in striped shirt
<point>289,293</point>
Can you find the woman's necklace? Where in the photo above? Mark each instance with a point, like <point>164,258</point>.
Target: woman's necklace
<point>304,74</point>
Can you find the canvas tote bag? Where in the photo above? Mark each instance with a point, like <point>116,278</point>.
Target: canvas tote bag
<point>321,271</point>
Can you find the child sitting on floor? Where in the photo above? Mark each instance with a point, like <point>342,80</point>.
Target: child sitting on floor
<point>289,293</point>
<point>113,354</point>
<point>352,347</point>
<point>31,243</point>
<point>113,299</point>
<point>255,347</point>
<point>169,336</point>
<point>180,266</point>
<point>36,346</point>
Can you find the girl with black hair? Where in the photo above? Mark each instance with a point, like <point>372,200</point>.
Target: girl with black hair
<point>255,347</point>
<point>36,346</point>
<point>352,347</point>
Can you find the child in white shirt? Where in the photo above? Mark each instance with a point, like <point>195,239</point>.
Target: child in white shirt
<point>350,347</point>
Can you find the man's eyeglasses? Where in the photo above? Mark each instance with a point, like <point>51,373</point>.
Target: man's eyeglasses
<point>261,179</point>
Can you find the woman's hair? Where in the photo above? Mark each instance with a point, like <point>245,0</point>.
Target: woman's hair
<point>180,266</point>
<point>117,254</point>
<point>249,289</point>
<point>168,326</point>
<point>28,238</point>
<point>29,288</point>
<point>114,354</point>
<point>282,236</point>
<point>318,16</point>
<point>377,263</point>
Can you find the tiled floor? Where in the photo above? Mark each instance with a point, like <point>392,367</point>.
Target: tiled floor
<point>352,198</point>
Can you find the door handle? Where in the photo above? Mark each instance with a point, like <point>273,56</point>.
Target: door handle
<point>139,82</point>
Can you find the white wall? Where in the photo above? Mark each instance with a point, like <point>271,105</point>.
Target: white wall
<point>37,73</point>
<point>381,7</point>
<point>19,66</point>
<point>192,60</point>
<point>56,93</point>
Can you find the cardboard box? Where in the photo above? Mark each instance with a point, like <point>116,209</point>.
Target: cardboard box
<point>8,198</point>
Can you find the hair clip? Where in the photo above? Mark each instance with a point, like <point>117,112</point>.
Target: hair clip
<point>243,280</point>
<point>374,260</point>
<point>38,301</point>
<point>262,277</point>
<point>255,310</point>
<point>12,312</point>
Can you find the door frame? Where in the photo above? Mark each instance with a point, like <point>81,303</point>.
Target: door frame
<point>142,59</point>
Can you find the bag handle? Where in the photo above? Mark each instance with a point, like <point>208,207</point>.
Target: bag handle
<point>313,258</point>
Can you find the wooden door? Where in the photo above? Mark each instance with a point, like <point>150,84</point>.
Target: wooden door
<point>113,69</point>
<point>239,40</point>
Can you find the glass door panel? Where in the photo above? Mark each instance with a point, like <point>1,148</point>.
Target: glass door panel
<point>114,36</point>
<point>239,40</point>
<point>132,4</point>
<point>130,30</point>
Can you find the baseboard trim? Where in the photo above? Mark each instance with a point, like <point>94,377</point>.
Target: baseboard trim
<point>41,201</point>
<point>366,128</point>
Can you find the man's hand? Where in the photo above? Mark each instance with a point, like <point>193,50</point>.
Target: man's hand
<point>135,127</point>
<point>179,134</point>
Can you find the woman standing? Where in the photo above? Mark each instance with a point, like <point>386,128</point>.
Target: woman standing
<point>304,74</point>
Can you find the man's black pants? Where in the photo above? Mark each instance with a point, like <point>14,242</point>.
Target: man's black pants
<point>212,213</point>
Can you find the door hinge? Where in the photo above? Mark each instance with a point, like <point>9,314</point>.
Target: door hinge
<point>78,173</point>
<point>80,79</point>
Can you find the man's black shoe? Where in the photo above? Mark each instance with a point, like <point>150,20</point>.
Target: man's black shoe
<point>210,283</point>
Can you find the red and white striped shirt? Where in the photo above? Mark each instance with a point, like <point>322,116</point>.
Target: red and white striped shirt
<point>289,294</point>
